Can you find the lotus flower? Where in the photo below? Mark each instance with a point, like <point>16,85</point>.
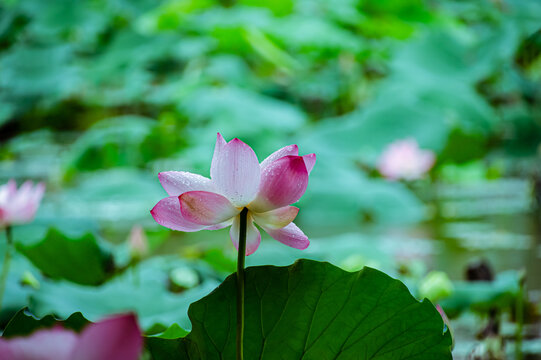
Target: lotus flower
<point>19,206</point>
<point>117,338</point>
<point>403,159</point>
<point>237,181</point>
<point>138,242</point>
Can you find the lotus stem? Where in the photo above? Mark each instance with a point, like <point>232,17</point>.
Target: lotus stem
<point>240,283</point>
<point>5,265</point>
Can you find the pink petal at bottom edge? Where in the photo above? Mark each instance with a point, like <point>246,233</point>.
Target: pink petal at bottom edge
<point>117,338</point>
<point>290,235</point>
<point>253,236</point>
<point>46,344</point>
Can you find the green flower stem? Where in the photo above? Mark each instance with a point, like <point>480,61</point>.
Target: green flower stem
<point>240,283</point>
<point>5,265</point>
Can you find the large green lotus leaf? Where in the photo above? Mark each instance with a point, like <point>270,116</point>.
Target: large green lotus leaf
<point>313,310</point>
<point>81,260</point>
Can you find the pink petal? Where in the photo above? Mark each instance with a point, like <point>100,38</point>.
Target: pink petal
<point>178,182</point>
<point>277,218</point>
<point>290,235</point>
<point>39,190</point>
<point>253,236</point>
<point>283,182</point>
<point>220,145</point>
<point>309,161</point>
<point>285,151</point>
<point>220,225</point>
<point>11,188</point>
<point>24,194</point>
<point>235,171</point>
<point>427,160</point>
<point>27,202</point>
<point>117,338</point>
<point>4,194</point>
<point>167,213</point>
<point>47,344</point>
<point>206,208</point>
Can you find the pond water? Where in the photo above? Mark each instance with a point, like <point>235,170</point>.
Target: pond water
<point>496,223</point>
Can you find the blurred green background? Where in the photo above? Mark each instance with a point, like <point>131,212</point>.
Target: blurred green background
<point>98,96</point>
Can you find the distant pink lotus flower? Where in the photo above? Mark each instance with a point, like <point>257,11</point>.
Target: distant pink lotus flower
<point>403,159</point>
<point>237,180</point>
<point>138,242</point>
<point>19,206</point>
<point>117,338</point>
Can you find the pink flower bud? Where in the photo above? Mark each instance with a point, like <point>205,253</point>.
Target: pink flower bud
<point>137,241</point>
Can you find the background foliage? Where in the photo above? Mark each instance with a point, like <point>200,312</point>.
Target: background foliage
<point>97,96</point>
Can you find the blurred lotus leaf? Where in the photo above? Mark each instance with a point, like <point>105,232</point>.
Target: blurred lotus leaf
<point>123,141</point>
<point>483,295</point>
<point>435,286</point>
<point>23,323</point>
<point>144,290</point>
<point>80,260</point>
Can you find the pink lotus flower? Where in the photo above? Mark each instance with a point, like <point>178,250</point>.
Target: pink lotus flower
<point>237,181</point>
<point>403,159</point>
<point>19,206</point>
<point>138,242</point>
<point>117,338</point>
